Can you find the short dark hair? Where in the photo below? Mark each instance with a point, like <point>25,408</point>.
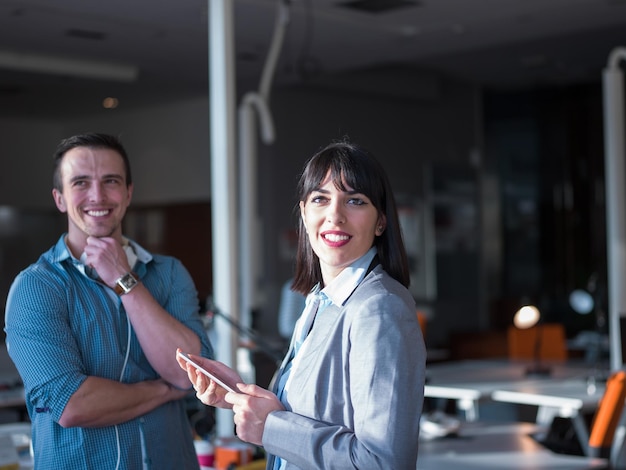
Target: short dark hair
<point>90,140</point>
<point>352,165</point>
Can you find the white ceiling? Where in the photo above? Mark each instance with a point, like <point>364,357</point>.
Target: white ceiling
<point>495,43</point>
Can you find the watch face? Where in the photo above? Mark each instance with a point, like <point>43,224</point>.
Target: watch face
<point>128,281</point>
<point>125,284</point>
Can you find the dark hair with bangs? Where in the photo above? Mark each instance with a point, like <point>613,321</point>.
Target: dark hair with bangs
<point>89,140</point>
<point>352,165</point>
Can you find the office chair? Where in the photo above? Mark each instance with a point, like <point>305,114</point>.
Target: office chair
<point>607,416</point>
<point>549,337</point>
<point>603,441</point>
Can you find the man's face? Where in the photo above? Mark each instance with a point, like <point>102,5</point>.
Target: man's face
<point>94,196</point>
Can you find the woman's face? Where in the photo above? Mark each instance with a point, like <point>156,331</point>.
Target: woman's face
<point>341,226</point>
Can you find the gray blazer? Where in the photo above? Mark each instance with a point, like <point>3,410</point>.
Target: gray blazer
<point>357,397</point>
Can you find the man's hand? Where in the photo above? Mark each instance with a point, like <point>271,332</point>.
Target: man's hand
<point>107,257</point>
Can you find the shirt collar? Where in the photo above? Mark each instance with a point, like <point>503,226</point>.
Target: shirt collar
<point>142,254</point>
<point>62,252</point>
<point>344,284</point>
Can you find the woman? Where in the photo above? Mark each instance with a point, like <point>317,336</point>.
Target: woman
<point>349,393</point>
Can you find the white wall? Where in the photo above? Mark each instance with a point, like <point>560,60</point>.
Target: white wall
<point>168,146</point>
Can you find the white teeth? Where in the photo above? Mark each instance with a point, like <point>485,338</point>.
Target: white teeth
<point>335,238</point>
<point>97,213</point>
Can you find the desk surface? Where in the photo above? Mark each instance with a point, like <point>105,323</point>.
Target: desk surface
<point>570,393</point>
<point>500,370</point>
<point>472,381</point>
<point>477,379</point>
<point>481,446</point>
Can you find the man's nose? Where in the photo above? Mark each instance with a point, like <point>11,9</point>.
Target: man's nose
<point>96,192</point>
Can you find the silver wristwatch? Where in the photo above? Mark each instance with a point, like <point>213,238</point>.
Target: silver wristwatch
<point>126,283</point>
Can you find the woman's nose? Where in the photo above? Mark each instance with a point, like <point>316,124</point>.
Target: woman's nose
<point>335,214</point>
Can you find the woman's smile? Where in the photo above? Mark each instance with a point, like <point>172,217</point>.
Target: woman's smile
<point>335,238</point>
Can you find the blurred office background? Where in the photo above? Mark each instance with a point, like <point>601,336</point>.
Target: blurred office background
<point>486,114</point>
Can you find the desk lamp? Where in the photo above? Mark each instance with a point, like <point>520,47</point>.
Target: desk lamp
<point>528,316</point>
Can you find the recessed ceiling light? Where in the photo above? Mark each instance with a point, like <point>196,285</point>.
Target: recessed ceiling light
<point>110,102</point>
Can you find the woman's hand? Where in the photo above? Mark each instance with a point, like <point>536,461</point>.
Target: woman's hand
<point>251,408</point>
<point>207,390</point>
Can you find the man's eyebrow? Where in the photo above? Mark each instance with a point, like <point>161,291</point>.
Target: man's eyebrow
<point>113,175</point>
<point>79,177</point>
<point>104,177</point>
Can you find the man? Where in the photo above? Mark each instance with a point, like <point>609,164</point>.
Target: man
<point>94,324</point>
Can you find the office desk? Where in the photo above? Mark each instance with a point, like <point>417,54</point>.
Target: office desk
<point>466,395</point>
<point>497,446</point>
<point>569,398</point>
<point>469,382</point>
<point>20,434</point>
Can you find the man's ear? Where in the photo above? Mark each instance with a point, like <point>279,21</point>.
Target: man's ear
<point>130,194</point>
<point>59,200</point>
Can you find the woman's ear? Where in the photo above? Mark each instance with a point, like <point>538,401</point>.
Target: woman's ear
<point>302,213</point>
<point>381,225</point>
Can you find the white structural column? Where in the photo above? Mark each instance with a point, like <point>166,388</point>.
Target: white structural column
<point>615,182</point>
<point>223,185</point>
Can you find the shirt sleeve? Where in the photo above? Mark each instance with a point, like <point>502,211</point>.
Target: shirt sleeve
<point>41,344</point>
<point>177,293</point>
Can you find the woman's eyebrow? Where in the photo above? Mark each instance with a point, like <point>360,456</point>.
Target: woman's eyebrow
<point>351,192</point>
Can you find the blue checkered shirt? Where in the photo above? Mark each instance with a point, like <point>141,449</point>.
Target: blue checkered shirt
<point>62,326</point>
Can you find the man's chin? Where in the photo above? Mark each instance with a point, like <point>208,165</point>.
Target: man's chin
<point>99,232</point>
